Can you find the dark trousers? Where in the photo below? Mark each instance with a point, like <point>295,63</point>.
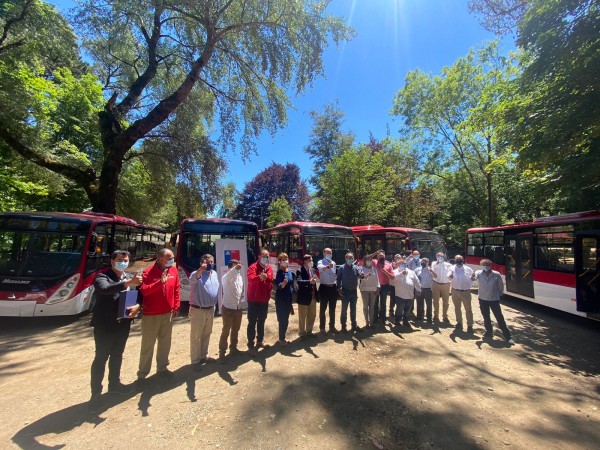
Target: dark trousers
<point>257,315</point>
<point>381,303</point>
<point>485,306</point>
<point>424,299</point>
<point>328,298</point>
<point>349,297</point>
<point>392,300</point>
<point>283,308</point>
<point>403,307</point>
<point>110,345</point>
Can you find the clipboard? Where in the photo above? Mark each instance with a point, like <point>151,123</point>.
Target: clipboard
<point>127,299</point>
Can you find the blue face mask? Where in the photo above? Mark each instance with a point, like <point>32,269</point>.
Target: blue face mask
<point>403,266</point>
<point>264,261</point>
<point>328,257</point>
<point>441,259</point>
<point>170,262</point>
<point>238,271</point>
<point>349,262</point>
<point>487,268</point>
<point>120,266</point>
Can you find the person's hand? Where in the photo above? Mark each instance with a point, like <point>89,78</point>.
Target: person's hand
<point>313,280</point>
<point>451,276</point>
<point>404,272</point>
<point>238,267</point>
<point>135,280</point>
<point>164,276</point>
<point>284,282</point>
<point>263,276</point>
<point>202,267</point>
<point>134,311</point>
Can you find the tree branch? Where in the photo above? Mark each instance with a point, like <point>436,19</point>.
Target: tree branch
<point>8,25</point>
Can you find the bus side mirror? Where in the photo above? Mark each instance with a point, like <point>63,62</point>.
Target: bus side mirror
<point>93,244</point>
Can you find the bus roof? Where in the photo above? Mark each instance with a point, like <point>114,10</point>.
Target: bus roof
<point>220,220</point>
<point>95,217</point>
<point>378,228</point>
<point>308,224</point>
<point>564,219</point>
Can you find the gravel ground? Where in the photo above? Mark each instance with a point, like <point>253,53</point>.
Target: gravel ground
<point>428,388</point>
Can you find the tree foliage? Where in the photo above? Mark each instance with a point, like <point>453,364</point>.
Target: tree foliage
<point>279,211</point>
<point>553,120</point>
<point>326,140</point>
<point>273,182</point>
<point>355,188</point>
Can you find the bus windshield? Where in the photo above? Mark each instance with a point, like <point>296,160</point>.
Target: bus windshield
<point>40,254</point>
<point>340,245</point>
<point>428,244</point>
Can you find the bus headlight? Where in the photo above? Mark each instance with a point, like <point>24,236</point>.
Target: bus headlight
<point>65,291</point>
<point>183,279</point>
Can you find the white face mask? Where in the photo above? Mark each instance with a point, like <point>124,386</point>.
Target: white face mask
<point>487,268</point>
<point>368,263</point>
<point>328,257</point>
<point>170,262</point>
<point>264,261</point>
<point>285,263</point>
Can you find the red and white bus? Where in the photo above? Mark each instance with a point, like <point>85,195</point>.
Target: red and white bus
<point>197,237</point>
<point>48,261</point>
<point>397,240</point>
<point>300,238</point>
<point>552,261</point>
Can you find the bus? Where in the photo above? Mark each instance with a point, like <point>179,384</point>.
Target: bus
<point>552,261</point>
<point>48,261</point>
<point>397,240</point>
<point>300,238</point>
<point>198,237</point>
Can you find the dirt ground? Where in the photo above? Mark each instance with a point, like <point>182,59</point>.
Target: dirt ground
<point>429,388</point>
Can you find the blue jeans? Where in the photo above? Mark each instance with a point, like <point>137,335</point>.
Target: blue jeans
<point>403,308</point>
<point>381,304</point>
<point>349,297</point>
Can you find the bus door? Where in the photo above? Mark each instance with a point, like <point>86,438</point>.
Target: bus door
<point>587,271</point>
<point>519,264</point>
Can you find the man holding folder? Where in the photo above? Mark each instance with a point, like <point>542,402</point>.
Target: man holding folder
<point>111,328</point>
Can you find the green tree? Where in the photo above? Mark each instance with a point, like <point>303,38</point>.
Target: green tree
<point>239,57</point>
<point>326,140</point>
<point>355,188</point>
<point>450,121</point>
<point>553,120</point>
<point>279,211</point>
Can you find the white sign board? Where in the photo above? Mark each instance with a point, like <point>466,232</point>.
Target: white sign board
<point>226,250</point>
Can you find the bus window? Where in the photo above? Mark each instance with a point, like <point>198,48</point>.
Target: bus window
<point>493,246</point>
<point>475,244</point>
<point>395,246</point>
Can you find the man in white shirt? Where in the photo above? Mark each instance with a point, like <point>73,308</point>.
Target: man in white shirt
<point>231,309</point>
<point>405,283</point>
<point>328,294</point>
<point>440,288</point>
<point>461,279</point>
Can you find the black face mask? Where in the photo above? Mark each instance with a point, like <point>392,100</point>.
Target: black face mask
<point>423,264</point>
<point>381,260</point>
<point>459,263</point>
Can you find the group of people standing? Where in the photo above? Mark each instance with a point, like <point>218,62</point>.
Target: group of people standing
<point>403,280</point>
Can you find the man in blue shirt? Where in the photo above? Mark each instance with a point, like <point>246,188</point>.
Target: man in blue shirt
<point>347,283</point>
<point>203,298</point>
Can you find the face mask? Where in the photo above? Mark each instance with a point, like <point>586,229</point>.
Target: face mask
<point>416,258</point>
<point>285,263</point>
<point>264,261</point>
<point>238,271</point>
<point>328,257</point>
<point>441,259</point>
<point>403,266</point>
<point>397,261</point>
<point>120,266</point>
<point>486,268</point>
<point>423,264</point>
<point>368,263</point>
<point>210,266</point>
<point>381,260</point>
<point>170,262</point>
<point>349,262</point>
<point>459,263</point>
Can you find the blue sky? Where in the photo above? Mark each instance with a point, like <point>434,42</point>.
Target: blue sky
<point>392,38</point>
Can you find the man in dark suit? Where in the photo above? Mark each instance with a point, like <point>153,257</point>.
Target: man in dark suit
<point>110,331</point>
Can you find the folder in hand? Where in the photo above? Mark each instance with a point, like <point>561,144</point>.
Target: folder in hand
<point>127,299</point>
